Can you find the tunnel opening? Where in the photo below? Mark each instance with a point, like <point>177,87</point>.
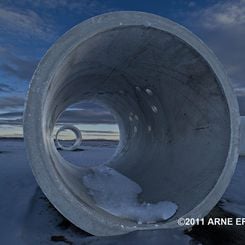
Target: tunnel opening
<point>65,139</point>
<point>87,134</point>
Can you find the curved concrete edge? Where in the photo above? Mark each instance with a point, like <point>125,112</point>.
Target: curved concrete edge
<point>85,217</point>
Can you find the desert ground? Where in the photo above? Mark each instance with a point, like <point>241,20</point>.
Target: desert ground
<point>28,218</point>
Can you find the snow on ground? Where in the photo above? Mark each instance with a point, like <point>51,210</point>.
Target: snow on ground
<point>27,217</point>
<point>118,195</point>
<point>95,153</point>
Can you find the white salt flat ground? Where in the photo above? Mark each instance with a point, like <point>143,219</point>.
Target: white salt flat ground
<point>27,217</point>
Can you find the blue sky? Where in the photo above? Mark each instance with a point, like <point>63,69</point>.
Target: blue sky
<point>28,28</point>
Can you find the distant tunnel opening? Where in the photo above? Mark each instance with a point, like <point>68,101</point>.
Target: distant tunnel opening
<point>98,129</point>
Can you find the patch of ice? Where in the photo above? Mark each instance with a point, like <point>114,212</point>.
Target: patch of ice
<point>118,195</point>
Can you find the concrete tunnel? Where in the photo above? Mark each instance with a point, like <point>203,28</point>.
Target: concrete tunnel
<point>177,114</point>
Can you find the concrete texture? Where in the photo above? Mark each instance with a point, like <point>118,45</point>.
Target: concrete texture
<point>177,114</point>
<point>242,136</point>
<point>77,133</point>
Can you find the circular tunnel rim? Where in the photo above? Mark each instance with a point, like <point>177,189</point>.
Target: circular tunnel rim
<point>78,213</point>
<point>77,133</point>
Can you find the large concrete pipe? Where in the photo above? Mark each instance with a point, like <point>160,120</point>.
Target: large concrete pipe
<point>177,114</point>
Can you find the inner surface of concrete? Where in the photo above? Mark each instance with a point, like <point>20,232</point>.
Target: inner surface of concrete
<point>174,119</point>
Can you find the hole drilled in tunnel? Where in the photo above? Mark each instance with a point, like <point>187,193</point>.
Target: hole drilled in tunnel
<point>154,109</point>
<point>138,88</point>
<point>99,134</point>
<point>149,91</point>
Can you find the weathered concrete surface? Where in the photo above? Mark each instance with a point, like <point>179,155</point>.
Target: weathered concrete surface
<point>242,136</point>
<point>77,133</point>
<point>178,116</point>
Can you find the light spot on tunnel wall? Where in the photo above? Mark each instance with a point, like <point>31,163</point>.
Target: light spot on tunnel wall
<point>154,109</point>
<point>149,91</point>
